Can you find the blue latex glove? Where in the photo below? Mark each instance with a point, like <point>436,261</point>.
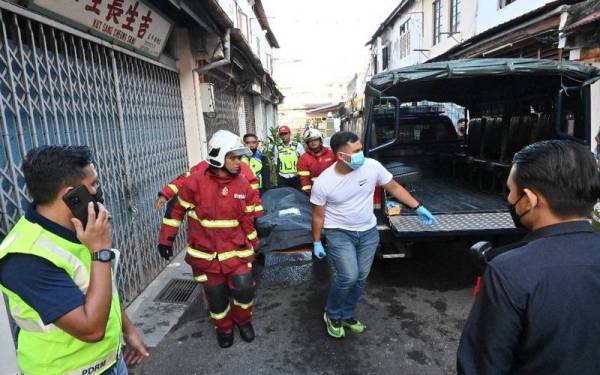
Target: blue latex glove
<point>426,217</point>
<point>319,250</point>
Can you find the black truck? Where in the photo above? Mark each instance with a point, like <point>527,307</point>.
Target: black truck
<point>509,103</point>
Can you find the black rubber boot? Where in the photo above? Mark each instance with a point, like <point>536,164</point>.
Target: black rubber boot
<point>225,339</point>
<point>247,332</point>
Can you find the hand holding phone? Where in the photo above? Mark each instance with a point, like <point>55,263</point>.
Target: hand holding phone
<point>97,234</point>
<point>78,200</point>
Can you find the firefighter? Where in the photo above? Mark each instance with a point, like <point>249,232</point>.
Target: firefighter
<point>258,163</point>
<point>316,159</point>
<point>285,157</point>
<point>220,206</point>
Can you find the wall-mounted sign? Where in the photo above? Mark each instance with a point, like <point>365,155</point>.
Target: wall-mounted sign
<point>129,23</point>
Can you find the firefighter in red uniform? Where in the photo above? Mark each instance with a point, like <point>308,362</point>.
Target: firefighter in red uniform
<point>315,160</point>
<point>220,205</point>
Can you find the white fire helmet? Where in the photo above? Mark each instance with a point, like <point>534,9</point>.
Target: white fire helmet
<point>222,143</point>
<point>311,134</point>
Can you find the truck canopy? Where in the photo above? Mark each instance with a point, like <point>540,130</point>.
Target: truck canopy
<point>469,81</point>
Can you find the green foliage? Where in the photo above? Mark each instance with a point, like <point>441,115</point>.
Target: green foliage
<point>268,146</point>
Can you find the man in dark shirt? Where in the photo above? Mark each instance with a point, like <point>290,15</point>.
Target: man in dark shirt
<point>538,310</point>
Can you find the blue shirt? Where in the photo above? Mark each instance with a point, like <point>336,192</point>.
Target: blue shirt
<point>539,308</point>
<point>46,288</point>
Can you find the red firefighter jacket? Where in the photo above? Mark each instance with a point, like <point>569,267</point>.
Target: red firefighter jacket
<point>220,232</point>
<point>311,165</point>
<point>171,190</point>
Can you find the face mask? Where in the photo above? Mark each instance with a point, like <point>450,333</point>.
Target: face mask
<point>99,196</point>
<point>513,213</point>
<point>356,160</point>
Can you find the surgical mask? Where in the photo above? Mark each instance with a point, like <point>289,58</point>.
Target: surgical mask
<point>513,213</point>
<point>356,160</point>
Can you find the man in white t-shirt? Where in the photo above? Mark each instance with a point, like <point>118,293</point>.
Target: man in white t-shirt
<point>342,198</point>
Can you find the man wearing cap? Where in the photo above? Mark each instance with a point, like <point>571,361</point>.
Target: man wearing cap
<point>285,157</point>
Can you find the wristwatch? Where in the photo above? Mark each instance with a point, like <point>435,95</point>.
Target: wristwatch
<point>104,255</point>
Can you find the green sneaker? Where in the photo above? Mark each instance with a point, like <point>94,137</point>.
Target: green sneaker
<point>354,325</point>
<point>334,327</point>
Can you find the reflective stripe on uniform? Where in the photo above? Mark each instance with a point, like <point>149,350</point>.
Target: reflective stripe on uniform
<point>32,325</point>
<point>201,278</point>
<point>235,254</point>
<point>304,173</point>
<point>214,223</point>
<point>81,275</point>
<point>185,204</point>
<point>250,208</point>
<point>219,316</point>
<point>219,223</point>
<point>255,186</point>
<point>97,367</point>
<point>173,188</point>
<point>244,306</point>
<point>172,222</point>
<point>313,179</point>
<point>252,236</point>
<point>306,187</point>
<point>201,254</point>
<point>258,208</point>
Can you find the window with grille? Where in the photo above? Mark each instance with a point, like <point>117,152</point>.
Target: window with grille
<point>385,57</point>
<point>503,3</point>
<point>455,14</point>
<point>405,39</point>
<point>438,23</point>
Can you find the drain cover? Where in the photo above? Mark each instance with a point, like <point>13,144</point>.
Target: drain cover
<point>182,291</point>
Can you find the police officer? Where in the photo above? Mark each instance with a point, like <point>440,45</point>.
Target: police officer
<point>56,273</point>
<point>257,162</point>
<point>286,155</point>
<point>538,309</point>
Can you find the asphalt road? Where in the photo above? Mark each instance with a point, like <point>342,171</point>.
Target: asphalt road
<point>414,310</point>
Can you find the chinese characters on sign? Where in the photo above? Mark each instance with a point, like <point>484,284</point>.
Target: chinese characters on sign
<point>129,22</point>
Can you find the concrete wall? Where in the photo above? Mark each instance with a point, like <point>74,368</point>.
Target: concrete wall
<point>195,130</point>
<point>488,14</point>
<point>256,38</point>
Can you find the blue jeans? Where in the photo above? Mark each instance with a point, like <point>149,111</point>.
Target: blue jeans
<point>120,368</point>
<point>352,254</point>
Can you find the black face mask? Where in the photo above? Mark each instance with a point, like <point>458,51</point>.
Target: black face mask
<point>512,208</point>
<point>99,196</point>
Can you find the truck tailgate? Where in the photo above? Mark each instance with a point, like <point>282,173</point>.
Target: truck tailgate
<point>458,224</point>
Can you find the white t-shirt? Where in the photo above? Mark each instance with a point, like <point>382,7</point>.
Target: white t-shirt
<point>348,199</point>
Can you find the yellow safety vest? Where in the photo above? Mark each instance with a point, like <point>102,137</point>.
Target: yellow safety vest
<point>287,158</point>
<point>47,349</point>
<point>256,166</point>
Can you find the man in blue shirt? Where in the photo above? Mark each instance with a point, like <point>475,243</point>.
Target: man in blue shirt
<point>538,309</point>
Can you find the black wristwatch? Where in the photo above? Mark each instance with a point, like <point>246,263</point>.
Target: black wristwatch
<point>418,206</point>
<point>104,255</point>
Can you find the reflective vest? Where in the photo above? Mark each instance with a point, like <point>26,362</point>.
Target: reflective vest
<point>47,349</point>
<point>255,163</point>
<point>287,158</point>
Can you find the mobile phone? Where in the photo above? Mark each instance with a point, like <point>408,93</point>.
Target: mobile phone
<point>78,200</point>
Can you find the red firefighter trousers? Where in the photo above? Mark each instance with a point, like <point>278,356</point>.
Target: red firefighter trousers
<point>230,296</point>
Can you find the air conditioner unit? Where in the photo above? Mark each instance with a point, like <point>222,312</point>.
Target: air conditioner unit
<point>207,97</point>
